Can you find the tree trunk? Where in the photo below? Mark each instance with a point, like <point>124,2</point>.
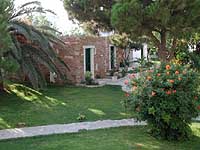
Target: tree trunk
<point>1,87</point>
<point>164,54</point>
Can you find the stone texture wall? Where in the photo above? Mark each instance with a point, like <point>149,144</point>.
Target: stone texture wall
<point>73,55</point>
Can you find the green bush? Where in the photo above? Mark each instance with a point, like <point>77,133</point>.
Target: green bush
<point>194,60</point>
<point>88,78</point>
<point>123,72</point>
<point>167,98</point>
<point>112,71</point>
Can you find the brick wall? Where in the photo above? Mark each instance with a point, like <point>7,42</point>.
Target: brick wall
<point>73,55</point>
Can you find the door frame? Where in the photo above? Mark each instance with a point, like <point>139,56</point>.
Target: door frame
<point>92,53</point>
<point>115,56</point>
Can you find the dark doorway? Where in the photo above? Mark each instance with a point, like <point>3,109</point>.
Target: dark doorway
<point>88,59</point>
<point>112,57</point>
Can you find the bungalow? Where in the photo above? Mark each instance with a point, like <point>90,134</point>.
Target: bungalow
<point>95,54</point>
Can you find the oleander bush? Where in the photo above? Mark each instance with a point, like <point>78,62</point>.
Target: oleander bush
<point>167,98</point>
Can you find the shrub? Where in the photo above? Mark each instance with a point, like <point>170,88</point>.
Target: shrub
<point>81,117</point>
<point>112,71</point>
<point>88,78</point>
<point>124,71</point>
<point>167,98</point>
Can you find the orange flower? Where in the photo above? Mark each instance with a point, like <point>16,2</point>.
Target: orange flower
<point>168,92</point>
<point>153,93</point>
<point>131,76</point>
<point>158,74</point>
<point>179,79</point>
<point>171,81</point>
<point>196,98</point>
<point>150,71</point>
<point>134,88</point>
<point>127,94</point>
<point>198,107</point>
<point>126,82</point>
<point>167,73</point>
<point>184,72</point>
<point>167,67</point>
<point>177,72</point>
<point>149,78</point>
<point>174,91</point>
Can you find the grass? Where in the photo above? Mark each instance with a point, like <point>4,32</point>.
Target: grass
<point>124,138</point>
<point>59,105</point>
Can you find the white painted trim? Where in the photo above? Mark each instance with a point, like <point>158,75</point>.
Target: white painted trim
<point>88,46</point>
<point>115,56</point>
<point>92,52</point>
<point>145,50</point>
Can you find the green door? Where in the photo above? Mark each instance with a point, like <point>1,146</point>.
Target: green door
<point>112,57</point>
<point>88,59</point>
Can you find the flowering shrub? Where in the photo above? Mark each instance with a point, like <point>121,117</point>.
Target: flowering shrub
<point>167,98</point>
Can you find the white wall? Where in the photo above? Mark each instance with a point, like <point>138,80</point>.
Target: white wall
<point>145,51</point>
<point>136,54</point>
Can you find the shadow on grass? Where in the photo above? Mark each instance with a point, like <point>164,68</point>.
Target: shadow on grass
<point>12,103</point>
<point>30,95</point>
<point>4,124</point>
<point>24,106</point>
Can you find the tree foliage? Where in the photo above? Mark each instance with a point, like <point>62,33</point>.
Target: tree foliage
<point>126,45</point>
<point>162,21</point>
<point>95,14</point>
<point>31,47</point>
<point>41,21</point>
<point>6,64</point>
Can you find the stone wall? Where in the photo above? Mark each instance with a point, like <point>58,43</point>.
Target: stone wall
<point>73,56</point>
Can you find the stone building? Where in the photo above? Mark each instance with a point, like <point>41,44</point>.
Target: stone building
<point>94,54</point>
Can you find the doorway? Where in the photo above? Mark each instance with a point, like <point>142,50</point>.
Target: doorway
<point>89,59</point>
<point>112,53</point>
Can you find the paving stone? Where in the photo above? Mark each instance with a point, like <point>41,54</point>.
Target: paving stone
<point>65,128</point>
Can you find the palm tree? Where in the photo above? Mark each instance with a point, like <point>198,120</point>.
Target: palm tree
<point>32,46</point>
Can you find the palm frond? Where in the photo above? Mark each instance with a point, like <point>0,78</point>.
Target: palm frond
<point>30,3</point>
<point>17,27</point>
<point>33,47</point>
<point>16,51</point>
<point>39,57</point>
<point>29,8</point>
<point>48,28</point>
<point>29,69</point>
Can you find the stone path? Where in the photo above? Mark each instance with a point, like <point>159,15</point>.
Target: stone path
<point>65,128</point>
<point>119,82</point>
<point>197,119</point>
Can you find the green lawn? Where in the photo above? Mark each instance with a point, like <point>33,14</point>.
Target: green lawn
<point>126,138</point>
<point>60,105</point>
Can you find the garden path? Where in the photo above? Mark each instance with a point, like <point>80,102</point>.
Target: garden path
<point>119,82</point>
<point>65,128</point>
